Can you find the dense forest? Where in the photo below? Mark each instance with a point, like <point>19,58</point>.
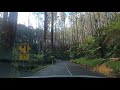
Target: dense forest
<point>62,35</point>
<point>90,34</point>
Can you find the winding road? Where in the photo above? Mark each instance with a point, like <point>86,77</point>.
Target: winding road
<point>66,69</point>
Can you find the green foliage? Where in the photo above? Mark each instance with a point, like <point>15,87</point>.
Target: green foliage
<point>89,49</point>
<point>112,39</point>
<point>88,62</point>
<point>34,62</point>
<point>76,51</point>
<point>28,67</point>
<point>52,58</point>
<point>49,59</point>
<point>25,68</point>
<point>15,54</point>
<point>38,56</point>
<point>114,65</point>
<point>62,54</point>
<point>34,49</point>
<point>106,45</point>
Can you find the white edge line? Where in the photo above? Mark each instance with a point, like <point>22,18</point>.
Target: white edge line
<point>68,69</point>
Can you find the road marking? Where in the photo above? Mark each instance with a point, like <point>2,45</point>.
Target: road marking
<point>68,69</point>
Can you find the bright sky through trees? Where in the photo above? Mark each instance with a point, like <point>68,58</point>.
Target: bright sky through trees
<point>23,19</point>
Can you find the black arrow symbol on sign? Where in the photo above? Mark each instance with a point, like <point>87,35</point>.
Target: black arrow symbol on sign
<point>24,46</point>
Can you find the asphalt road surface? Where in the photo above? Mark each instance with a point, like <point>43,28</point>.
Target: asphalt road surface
<point>66,69</point>
<point>7,71</point>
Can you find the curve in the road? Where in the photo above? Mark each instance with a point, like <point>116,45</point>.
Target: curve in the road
<point>66,68</point>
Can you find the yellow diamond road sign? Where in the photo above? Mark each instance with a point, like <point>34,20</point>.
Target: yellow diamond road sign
<point>24,57</point>
<point>24,48</point>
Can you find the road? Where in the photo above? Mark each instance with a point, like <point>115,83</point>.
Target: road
<point>65,69</point>
<point>7,71</point>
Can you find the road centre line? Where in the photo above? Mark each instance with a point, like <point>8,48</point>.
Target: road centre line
<point>68,69</point>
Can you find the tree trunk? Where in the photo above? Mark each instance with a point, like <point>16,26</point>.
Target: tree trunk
<point>91,25</point>
<point>52,21</point>
<point>56,34</point>
<point>76,29</point>
<point>106,14</point>
<point>45,32</point>
<point>5,19</point>
<point>10,35</point>
<point>29,20</point>
<point>100,36</point>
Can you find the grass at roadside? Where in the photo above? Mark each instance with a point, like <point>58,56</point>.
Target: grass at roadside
<point>107,67</point>
<point>88,62</point>
<point>115,66</point>
<point>26,70</point>
<point>31,68</point>
<point>36,62</point>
